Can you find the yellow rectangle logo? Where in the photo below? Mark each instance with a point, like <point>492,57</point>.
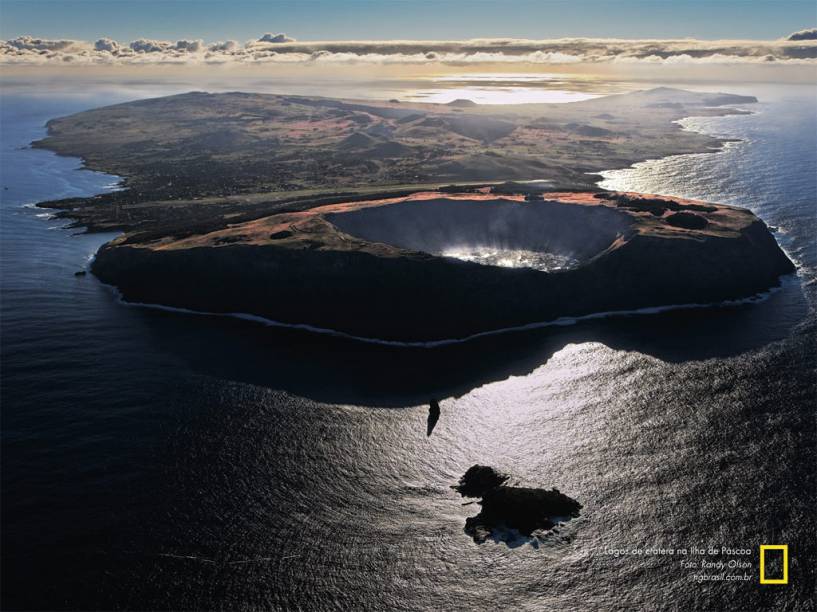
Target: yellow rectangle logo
<point>781,547</point>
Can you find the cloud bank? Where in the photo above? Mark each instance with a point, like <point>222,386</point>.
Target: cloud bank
<point>798,48</point>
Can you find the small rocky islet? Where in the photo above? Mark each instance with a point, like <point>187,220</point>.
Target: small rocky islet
<point>505,507</point>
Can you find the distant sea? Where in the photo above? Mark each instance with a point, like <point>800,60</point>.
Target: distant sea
<point>155,460</point>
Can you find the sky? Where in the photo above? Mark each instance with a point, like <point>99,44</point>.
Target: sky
<point>215,20</point>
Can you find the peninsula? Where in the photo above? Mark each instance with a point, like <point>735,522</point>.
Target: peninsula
<point>407,222</point>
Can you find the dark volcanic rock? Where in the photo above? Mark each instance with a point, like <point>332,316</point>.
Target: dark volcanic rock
<point>687,220</point>
<point>656,206</point>
<point>368,271</point>
<point>478,480</point>
<point>521,509</point>
<point>433,416</point>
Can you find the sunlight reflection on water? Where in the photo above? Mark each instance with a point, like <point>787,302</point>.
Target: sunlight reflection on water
<point>497,95</point>
<point>512,258</point>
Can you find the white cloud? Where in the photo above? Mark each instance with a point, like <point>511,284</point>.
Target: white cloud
<point>29,43</point>
<point>276,38</point>
<point>193,46</point>
<point>269,49</point>
<point>228,45</point>
<point>106,44</point>
<point>807,34</point>
<point>149,46</point>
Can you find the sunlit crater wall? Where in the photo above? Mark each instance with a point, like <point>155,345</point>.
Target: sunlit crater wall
<point>544,235</point>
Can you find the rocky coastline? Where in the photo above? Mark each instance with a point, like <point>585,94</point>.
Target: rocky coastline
<point>302,269</point>
<point>344,216</point>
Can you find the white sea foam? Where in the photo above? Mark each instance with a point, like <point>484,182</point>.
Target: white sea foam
<point>560,322</point>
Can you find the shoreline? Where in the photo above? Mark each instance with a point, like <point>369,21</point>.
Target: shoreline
<point>561,322</point>
<point>121,184</point>
<point>572,164</point>
<point>374,263</point>
<point>119,265</point>
<point>725,142</point>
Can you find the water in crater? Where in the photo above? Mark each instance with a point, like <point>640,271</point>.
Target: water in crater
<point>544,235</point>
<point>512,258</point>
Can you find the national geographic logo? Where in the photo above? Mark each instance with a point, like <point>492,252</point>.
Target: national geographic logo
<point>774,564</point>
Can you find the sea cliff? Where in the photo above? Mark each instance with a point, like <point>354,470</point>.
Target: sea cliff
<point>304,270</point>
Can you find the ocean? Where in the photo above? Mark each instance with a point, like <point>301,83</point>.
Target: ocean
<point>158,460</point>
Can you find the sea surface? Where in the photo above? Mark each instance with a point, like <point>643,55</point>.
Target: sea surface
<point>157,460</point>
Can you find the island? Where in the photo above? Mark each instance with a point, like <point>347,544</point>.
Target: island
<point>506,509</point>
<point>403,222</point>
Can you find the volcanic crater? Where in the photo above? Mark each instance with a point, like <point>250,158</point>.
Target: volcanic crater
<point>434,266</point>
<point>543,235</point>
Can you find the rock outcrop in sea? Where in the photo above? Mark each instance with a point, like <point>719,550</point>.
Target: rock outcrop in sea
<point>507,508</point>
